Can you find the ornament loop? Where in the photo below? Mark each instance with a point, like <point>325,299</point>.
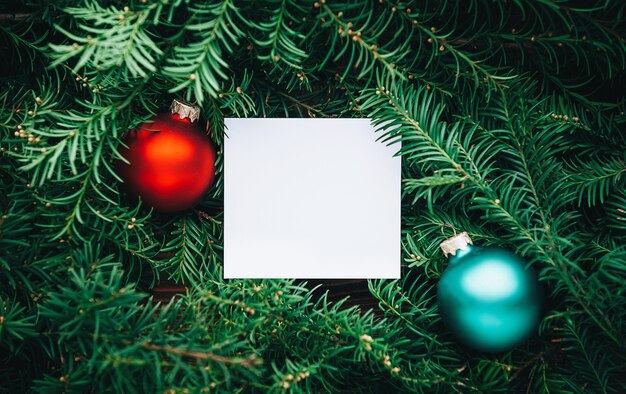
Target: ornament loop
<point>185,110</point>
<point>443,226</point>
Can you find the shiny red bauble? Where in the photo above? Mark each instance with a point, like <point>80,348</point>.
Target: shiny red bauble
<point>171,163</point>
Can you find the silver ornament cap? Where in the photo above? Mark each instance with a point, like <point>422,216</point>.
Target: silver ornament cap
<point>185,110</point>
<point>451,245</point>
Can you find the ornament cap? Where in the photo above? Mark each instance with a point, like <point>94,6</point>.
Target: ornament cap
<point>185,110</point>
<point>451,245</point>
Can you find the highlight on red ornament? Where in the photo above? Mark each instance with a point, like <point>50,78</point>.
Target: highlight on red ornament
<point>171,160</point>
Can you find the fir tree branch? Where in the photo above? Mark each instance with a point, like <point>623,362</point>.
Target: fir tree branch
<point>353,34</point>
<point>201,63</point>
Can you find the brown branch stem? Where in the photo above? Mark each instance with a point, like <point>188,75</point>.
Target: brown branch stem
<point>246,362</point>
<point>10,17</point>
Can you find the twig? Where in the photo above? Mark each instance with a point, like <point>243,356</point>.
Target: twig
<point>15,17</point>
<point>247,362</point>
<point>528,363</point>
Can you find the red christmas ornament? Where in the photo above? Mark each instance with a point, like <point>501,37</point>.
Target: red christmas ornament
<point>172,162</point>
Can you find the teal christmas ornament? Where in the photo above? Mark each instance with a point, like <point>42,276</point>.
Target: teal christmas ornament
<point>487,297</point>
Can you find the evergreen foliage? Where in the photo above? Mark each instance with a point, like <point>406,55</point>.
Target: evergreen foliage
<point>509,117</point>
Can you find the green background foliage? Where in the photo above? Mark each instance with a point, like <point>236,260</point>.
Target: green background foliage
<point>509,117</point>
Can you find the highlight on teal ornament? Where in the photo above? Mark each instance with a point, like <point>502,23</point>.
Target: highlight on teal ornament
<point>488,299</point>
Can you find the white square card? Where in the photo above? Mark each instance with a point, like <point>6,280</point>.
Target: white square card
<point>310,198</point>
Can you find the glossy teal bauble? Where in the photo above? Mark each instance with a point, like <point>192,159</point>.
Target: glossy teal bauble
<point>487,297</point>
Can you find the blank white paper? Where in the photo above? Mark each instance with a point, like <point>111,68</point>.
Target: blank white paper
<point>310,198</point>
